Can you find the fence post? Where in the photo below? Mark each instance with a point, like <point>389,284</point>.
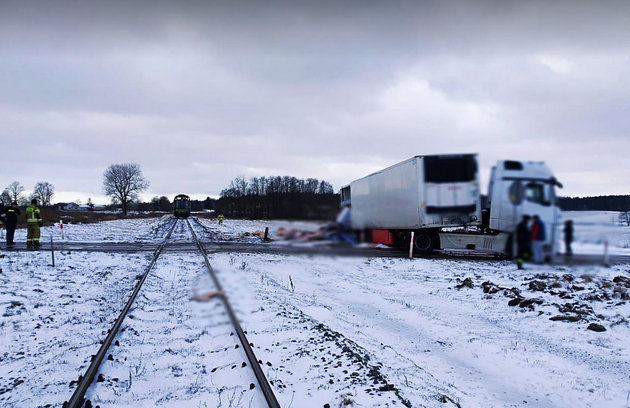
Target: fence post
<point>411,244</point>
<point>52,250</point>
<point>606,254</point>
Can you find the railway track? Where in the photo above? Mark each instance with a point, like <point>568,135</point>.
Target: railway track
<point>263,248</point>
<point>272,402</point>
<point>77,399</point>
<point>85,381</point>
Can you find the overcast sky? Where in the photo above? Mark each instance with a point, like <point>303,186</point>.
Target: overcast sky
<point>200,92</point>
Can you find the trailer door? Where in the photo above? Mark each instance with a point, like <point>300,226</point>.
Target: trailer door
<point>451,185</point>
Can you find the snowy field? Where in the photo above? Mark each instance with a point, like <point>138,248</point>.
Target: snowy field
<point>52,319</point>
<point>364,332</point>
<point>593,228</point>
<point>434,342</point>
<point>152,230</point>
<point>123,230</point>
<point>243,230</point>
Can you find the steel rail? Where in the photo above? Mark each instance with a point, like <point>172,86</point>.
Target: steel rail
<point>266,389</point>
<point>322,250</point>
<point>78,397</point>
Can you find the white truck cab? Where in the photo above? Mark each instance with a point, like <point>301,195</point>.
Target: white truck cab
<point>520,188</point>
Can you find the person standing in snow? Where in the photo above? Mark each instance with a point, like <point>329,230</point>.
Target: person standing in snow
<point>11,218</point>
<point>568,237</point>
<point>538,239</point>
<point>221,218</point>
<point>523,241</point>
<point>33,223</point>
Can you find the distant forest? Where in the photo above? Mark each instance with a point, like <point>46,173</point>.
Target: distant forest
<point>292,198</point>
<point>278,197</point>
<point>272,197</point>
<point>599,203</point>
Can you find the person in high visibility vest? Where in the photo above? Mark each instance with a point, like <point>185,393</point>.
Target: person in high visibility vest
<point>221,218</point>
<point>33,222</point>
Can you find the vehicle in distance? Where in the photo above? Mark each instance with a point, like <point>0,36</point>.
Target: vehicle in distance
<point>438,198</point>
<point>181,206</point>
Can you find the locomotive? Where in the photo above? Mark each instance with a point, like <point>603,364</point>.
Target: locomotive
<point>181,206</point>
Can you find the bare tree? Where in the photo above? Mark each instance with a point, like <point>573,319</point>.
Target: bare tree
<point>6,197</point>
<point>310,186</point>
<point>325,188</point>
<point>123,183</point>
<point>15,191</point>
<point>43,192</point>
<point>161,203</point>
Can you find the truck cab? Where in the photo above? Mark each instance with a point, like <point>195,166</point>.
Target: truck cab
<point>518,188</point>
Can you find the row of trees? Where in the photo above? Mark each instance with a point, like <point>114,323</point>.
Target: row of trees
<point>258,197</point>
<point>598,203</point>
<point>121,182</point>
<point>164,203</point>
<point>262,186</point>
<point>278,197</point>
<point>43,192</point>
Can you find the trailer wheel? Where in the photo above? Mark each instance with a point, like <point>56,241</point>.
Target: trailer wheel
<point>424,242</point>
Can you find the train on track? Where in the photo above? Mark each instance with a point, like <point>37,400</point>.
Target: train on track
<point>181,206</point>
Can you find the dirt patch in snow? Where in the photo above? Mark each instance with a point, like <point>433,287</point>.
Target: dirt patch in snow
<point>573,297</point>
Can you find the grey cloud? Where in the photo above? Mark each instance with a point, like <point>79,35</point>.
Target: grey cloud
<point>200,92</point>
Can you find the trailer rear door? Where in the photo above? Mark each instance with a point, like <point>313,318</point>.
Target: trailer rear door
<point>451,184</point>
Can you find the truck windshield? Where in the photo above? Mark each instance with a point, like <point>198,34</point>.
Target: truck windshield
<point>450,169</point>
<point>540,193</point>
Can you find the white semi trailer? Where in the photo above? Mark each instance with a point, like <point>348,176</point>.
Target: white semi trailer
<point>438,198</point>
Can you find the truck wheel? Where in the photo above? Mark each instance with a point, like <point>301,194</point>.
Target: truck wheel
<point>424,242</point>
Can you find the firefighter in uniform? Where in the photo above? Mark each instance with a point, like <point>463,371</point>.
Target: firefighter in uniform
<point>11,218</point>
<point>33,222</point>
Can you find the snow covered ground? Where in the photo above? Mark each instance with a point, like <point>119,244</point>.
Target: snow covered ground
<point>52,319</point>
<point>153,230</point>
<point>244,229</point>
<point>434,342</point>
<point>593,228</point>
<point>176,352</point>
<point>123,230</point>
<point>339,331</point>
